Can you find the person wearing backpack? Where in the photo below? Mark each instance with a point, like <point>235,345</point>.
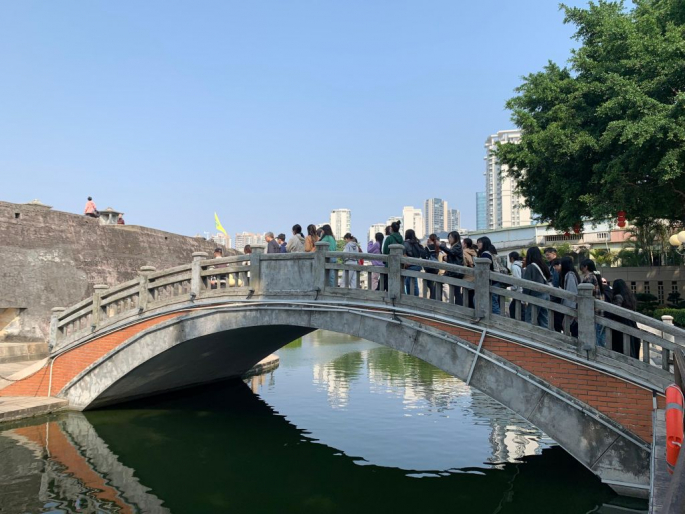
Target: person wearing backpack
<point>484,252</point>
<point>432,252</point>
<point>536,271</point>
<point>516,272</point>
<point>412,248</point>
<point>455,255</point>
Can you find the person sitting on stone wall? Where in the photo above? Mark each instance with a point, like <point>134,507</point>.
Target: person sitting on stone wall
<point>120,220</point>
<point>90,209</point>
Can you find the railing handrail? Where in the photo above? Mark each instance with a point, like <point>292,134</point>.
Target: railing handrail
<point>241,273</point>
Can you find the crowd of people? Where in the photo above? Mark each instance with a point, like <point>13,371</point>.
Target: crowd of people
<point>544,268</point>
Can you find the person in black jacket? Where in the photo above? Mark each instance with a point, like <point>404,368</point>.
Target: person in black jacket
<point>412,248</point>
<point>623,297</point>
<point>454,255</point>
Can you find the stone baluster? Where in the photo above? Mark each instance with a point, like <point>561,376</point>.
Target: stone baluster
<point>54,329</point>
<point>395,282</point>
<point>143,293</point>
<point>98,289</point>
<point>255,267</point>
<point>319,269</point>
<point>196,274</point>
<point>482,297</point>
<point>665,353</point>
<point>587,334</point>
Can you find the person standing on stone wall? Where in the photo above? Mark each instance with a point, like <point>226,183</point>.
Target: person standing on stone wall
<point>271,244</point>
<point>90,210</point>
<point>120,220</point>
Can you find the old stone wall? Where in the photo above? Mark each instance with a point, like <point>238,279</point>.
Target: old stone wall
<point>52,259</point>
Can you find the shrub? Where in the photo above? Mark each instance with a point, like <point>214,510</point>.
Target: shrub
<point>646,303</point>
<point>678,315</point>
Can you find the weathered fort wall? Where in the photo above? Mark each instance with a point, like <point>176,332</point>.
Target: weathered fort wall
<point>52,259</point>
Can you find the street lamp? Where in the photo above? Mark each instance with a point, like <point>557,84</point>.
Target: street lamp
<point>678,242</point>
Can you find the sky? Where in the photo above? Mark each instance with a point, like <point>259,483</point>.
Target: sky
<point>268,113</point>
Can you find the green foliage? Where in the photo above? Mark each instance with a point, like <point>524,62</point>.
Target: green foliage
<point>340,245</point>
<point>678,315</point>
<point>564,249</point>
<point>674,301</point>
<point>607,133</point>
<point>646,303</point>
<point>602,257</point>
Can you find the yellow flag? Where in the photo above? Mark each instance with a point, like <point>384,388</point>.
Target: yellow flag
<point>219,227</point>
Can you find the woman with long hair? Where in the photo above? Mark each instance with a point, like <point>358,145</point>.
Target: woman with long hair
<point>350,277</point>
<point>311,239</point>
<point>433,252</point>
<point>375,248</point>
<point>328,237</point>
<point>590,275</point>
<point>568,281</point>
<point>484,252</point>
<point>516,266</point>
<point>455,255</point>
<point>412,248</point>
<point>470,253</point>
<point>623,297</point>
<point>536,271</point>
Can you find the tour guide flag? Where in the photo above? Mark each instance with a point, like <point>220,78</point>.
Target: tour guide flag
<point>219,227</point>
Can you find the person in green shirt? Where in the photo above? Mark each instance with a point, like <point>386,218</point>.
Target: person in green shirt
<point>395,238</point>
<point>327,235</point>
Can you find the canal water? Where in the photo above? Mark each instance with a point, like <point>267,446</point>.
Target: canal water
<point>342,426</point>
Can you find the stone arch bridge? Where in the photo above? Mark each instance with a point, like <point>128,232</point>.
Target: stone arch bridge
<point>215,318</point>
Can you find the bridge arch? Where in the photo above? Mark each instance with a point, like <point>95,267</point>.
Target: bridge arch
<point>226,341</point>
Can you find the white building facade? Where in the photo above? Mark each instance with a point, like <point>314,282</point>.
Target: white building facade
<point>341,222</point>
<point>376,227</point>
<point>413,219</point>
<point>504,205</point>
<point>247,238</point>
<point>436,216</point>
<point>454,220</point>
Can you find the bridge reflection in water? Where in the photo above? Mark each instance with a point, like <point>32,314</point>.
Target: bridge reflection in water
<point>221,448</point>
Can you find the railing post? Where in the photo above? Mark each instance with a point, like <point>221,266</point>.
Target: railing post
<point>665,353</point>
<point>319,267</point>
<point>587,333</point>
<point>195,274</point>
<point>97,292</point>
<point>54,330</point>
<point>395,285</point>
<point>143,287</point>
<point>255,267</point>
<point>482,297</point>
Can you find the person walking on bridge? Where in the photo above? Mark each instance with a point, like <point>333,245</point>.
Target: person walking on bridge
<point>412,248</point>
<point>90,210</point>
<point>271,244</point>
<point>536,271</point>
<point>328,237</point>
<point>590,275</point>
<point>350,276</point>
<point>296,243</point>
<point>455,255</point>
<point>375,248</point>
<point>311,239</point>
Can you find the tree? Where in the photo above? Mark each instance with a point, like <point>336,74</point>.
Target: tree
<point>607,133</point>
<point>602,256</point>
<point>646,241</point>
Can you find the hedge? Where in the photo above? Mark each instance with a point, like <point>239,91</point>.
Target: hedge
<point>678,315</point>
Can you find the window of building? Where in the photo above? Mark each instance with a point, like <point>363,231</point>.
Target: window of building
<point>633,287</point>
<point>646,288</point>
<point>660,291</point>
<point>602,235</point>
<point>674,287</point>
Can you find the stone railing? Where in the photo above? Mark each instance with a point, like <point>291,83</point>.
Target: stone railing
<point>415,285</point>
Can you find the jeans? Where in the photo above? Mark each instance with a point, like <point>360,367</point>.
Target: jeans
<point>601,336</point>
<point>495,303</point>
<point>408,281</point>
<point>543,318</point>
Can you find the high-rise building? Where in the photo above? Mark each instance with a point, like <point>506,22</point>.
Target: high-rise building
<point>413,219</point>
<point>247,238</point>
<point>504,205</point>
<point>221,239</point>
<point>481,211</point>
<point>453,220</point>
<point>436,216</point>
<point>376,227</point>
<point>341,222</point>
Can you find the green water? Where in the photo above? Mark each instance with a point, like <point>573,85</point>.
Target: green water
<point>342,426</point>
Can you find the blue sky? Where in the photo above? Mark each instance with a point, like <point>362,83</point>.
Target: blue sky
<point>269,113</point>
